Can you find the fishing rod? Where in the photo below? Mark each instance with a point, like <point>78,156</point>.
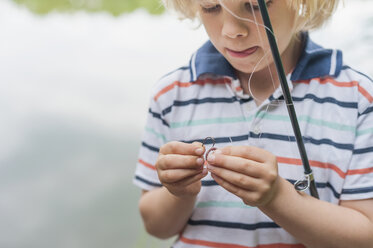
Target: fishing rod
<point>308,182</point>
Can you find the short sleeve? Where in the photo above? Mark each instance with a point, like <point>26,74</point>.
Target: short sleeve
<point>358,183</point>
<point>154,136</point>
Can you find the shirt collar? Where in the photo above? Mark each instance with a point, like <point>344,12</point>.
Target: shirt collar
<point>314,62</point>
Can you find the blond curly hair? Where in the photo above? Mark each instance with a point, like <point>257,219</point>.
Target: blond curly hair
<point>312,13</point>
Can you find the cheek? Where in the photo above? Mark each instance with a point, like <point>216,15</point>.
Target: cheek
<point>284,32</point>
<point>212,29</point>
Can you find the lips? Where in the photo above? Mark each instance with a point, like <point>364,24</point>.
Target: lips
<point>241,54</point>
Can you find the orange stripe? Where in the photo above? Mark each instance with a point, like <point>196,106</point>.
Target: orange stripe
<point>360,171</point>
<point>147,164</point>
<point>331,81</point>
<point>365,93</point>
<point>226,245</point>
<point>170,87</point>
<point>296,161</point>
<point>188,84</point>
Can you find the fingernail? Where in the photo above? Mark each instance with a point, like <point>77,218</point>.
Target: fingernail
<point>218,151</point>
<point>199,161</point>
<point>199,151</point>
<point>211,157</point>
<point>210,167</point>
<point>205,171</point>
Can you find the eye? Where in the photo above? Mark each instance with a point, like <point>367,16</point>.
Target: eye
<point>249,6</point>
<point>214,9</point>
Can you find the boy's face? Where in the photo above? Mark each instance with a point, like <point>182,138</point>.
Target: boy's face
<point>236,30</point>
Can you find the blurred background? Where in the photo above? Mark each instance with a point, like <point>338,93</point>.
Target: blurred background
<point>75,79</point>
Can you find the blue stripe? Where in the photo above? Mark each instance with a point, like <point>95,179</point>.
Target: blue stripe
<point>271,136</point>
<point>311,140</point>
<point>151,148</point>
<point>196,101</point>
<point>207,183</point>
<point>347,67</point>
<point>358,190</point>
<point>328,185</point>
<point>363,150</point>
<point>352,105</point>
<point>322,186</point>
<point>234,225</point>
<point>147,182</point>
<point>205,100</point>
<point>367,111</point>
<point>219,140</point>
<point>190,69</point>
<point>158,116</point>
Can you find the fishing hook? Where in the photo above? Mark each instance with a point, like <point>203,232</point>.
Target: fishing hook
<point>211,149</point>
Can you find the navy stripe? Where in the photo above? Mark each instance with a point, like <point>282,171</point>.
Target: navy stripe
<point>199,101</point>
<point>328,185</point>
<point>158,116</point>
<point>363,150</point>
<point>151,148</point>
<point>311,140</point>
<point>195,101</point>
<point>207,183</point>
<point>352,105</point>
<point>271,136</point>
<point>205,100</point>
<point>322,186</point>
<point>367,111</point>
<point>358,190</point>
<point>183,68</point>
<point>190,69</point>
<point>234,225</point>
<point>219,140</point>
<point>147,182</point>
<point>347,67</point>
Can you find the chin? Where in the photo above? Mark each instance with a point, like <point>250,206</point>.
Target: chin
<point>248,68</point>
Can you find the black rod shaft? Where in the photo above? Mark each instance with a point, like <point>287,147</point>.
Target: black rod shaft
<point>287,95</point>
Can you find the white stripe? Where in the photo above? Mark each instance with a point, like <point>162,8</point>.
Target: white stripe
<point>333,63</point>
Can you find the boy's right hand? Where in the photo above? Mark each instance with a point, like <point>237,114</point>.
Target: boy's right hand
<point>180,168</point>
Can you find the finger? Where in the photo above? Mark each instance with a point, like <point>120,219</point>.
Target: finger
<point>249,152</point>
<point>192,179</point>
<point>237,164</point>
<point>247,196</point>
<point>176,147</point>
<point>175,161</point>
<point>237,179</point>
<point>173,176</point>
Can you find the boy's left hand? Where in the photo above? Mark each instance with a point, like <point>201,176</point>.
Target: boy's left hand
<point>249,172</point>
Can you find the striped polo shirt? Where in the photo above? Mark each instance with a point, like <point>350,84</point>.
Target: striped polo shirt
<point>204,99</point>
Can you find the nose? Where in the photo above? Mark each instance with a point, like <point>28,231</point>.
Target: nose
<point>233,27</point>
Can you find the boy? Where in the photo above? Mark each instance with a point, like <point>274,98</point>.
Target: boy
<point>230,91</point>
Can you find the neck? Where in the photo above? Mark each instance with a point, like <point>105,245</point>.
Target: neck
<point>264,82</point>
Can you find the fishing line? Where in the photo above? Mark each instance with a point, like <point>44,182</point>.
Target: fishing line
<point>308,181</point>
<point>258,25</point>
